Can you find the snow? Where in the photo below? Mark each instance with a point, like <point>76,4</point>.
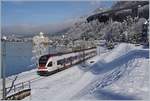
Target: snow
<point>22,77</point>
<point>128,82</point>
<point>121,49</point>
<point>119,74</point>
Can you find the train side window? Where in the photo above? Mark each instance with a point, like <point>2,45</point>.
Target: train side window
<point>75,57</point>
<point>67,60</point>
<point>70,58</point>
<point>50,64</point>
<point>60,62</point>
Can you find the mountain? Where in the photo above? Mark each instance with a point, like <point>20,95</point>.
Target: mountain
<point>28,29</point>
<point>128,30</point>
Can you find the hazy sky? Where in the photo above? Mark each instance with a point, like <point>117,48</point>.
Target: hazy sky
<point>46,12</point>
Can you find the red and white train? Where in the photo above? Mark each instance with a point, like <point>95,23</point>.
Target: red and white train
<point>52,63</point>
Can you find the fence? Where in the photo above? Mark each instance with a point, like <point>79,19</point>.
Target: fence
<point>18,88</point>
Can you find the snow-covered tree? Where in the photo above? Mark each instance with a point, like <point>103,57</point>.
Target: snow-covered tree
<point>40,46</point>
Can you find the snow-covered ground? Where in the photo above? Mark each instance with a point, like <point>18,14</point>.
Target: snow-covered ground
<point>120,74</point>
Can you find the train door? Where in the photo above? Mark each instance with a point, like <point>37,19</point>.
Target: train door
<point>51,65</point>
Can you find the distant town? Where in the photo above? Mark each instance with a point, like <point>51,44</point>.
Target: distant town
<point>17,38</point>
<point>56,41</point>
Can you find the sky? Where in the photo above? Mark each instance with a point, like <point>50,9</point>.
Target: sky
<point>39,13</point>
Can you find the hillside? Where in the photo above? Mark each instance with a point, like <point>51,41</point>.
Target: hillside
<point>128,30</point>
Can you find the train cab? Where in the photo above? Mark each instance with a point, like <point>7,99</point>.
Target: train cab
<point>42,64</point>
<point>47,63</point>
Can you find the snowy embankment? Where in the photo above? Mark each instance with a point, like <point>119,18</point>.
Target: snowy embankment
<point>121,74</point>
<point>22,77</point>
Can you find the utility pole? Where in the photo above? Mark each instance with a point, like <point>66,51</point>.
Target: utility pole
<point>138,15</point>
<point>3,67</point>
<point>84,50</point>
<point>98,48</point>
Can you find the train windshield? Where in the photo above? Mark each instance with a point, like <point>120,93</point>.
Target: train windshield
<point>43,59</point>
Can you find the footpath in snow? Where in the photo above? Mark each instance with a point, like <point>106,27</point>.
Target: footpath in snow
<point>120,74</point>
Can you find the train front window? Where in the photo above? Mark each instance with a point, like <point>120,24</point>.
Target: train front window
<point>49,64</point>
<point>43,59</point>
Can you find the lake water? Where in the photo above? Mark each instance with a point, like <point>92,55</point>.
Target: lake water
<point>18,57</point>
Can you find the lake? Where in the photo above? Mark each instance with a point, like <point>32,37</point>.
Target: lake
<point>18,57</point>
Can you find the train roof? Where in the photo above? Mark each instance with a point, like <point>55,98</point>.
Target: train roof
<point>62,53</point>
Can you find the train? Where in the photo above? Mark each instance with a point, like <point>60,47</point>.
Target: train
<point>52,63</point>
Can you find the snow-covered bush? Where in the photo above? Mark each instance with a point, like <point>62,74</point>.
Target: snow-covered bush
<point>135,30</point>
<point>130,30</point>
